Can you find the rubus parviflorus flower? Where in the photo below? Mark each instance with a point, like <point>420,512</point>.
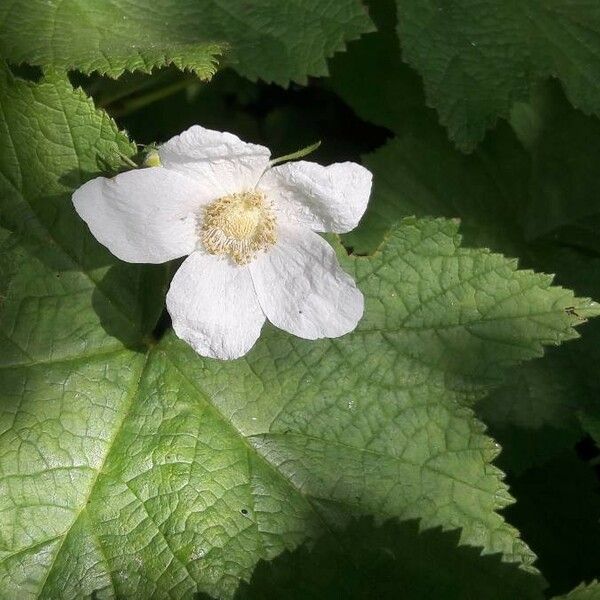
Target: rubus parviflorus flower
<point>249,230</point>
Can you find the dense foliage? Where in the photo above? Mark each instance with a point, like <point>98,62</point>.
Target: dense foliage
<point>448,447</point>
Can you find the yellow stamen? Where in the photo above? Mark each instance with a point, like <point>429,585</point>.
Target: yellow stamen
<point>239,226</point>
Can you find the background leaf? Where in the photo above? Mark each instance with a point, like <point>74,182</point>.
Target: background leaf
<point>477,58</point>
<point>419,173</point>
<point>268,39</point>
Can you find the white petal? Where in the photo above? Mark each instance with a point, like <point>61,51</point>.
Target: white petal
<point>214,307</point>
<point>302,288</point>
<point>221,159</point>
<point>142,215</point>
<point>331,198</point>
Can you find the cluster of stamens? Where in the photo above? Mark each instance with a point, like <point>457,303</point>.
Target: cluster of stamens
<point>238,226</point>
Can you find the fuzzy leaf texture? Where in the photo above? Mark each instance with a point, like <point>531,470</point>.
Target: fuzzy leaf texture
<point>478,58</point>
<point>130,468</point>
<point>276,41</point>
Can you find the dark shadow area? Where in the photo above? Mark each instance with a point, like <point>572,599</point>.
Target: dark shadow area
<point>128,298</point>
<point>163,324</point>
<point>534,414</point>
<point>389,561</point>
<point>153,108</point>
<point>558,512</point>
<point>27,72</point>
<point>587,450</point>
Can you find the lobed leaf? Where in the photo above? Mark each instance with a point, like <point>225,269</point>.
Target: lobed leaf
<point>478,58</point>
<point>131,468</point>
<point>276,41</point>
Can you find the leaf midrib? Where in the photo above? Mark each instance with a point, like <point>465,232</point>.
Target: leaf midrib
<point>109,447</point>
<point>242,438</point>
<point>126,411</point>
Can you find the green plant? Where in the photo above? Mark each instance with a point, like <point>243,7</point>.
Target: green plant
<point>382,464</point>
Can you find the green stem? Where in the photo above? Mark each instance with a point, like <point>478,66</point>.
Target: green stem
<point>128,160</point>
<point>296,155</point>
<point>149,98</point>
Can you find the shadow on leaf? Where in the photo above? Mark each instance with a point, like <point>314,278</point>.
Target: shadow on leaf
<point>127,297</point>
<point>393,560</point>
<point>129,300</point>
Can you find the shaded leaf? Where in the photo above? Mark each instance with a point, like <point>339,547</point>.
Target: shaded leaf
<point>558,512</point>
<point>565,177</point>
<point>478,58</point>
<point>390,92</point>
<point>272,40</point>
<point>535,415</point>
<point>389,561</point>
<point>419,173</point>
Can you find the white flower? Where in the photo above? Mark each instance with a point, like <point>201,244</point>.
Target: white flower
<point>249,230</point>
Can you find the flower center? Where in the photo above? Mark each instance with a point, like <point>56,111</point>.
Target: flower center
<point>238,226</point>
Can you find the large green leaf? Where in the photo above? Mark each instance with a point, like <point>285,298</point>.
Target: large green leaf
<point>549,404</point>
<point>541,207</point>
<point>133,468</point>
<point>477,58</point>
<point>277,41</point>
